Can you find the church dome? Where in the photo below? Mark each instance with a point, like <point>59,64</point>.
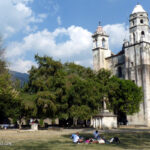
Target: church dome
<point>138,8</point>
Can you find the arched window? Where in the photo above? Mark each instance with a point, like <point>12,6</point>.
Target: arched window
<point>96,43</point>
<point>119,72</point>
<point>141,21</point>
<point>133,22</point>
<point>133,37</point>
<point>143,33</point>
<point>103,43</point>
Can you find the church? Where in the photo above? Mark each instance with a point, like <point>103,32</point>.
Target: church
<point>132,62</point>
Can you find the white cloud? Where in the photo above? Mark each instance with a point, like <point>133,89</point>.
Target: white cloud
<point>21,65</point>
<point>51,6</point>
<point>16,15</point>
<point>30,29</point>
<point>59,20</point>
<point>68,44</point>
<point>22,8</point>
<point>117,33</point>
<point>22,1</point>
<point>85,62</point>
<point>45,43</point>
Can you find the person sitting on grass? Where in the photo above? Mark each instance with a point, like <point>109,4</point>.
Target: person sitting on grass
<point>76,138</point>
<point>96,134</point>
<point>72,136</point>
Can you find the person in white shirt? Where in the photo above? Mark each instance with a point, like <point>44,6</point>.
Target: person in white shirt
<point>76,138</point>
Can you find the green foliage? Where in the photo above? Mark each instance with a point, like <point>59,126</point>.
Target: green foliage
<point>82,94</point>
<point>46,104</point>
<point>9,97</point>
<point>72,91</point>
<point>42,78</point>
<point>2,61</point>
<point>29,108</point>
<point>121,96</point>
<point>124,96</point>
<point>103,78</point>
<point>62,88</point>
<point>41,123</point>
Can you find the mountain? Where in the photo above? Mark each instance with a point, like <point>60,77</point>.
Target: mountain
<point>23,77</point>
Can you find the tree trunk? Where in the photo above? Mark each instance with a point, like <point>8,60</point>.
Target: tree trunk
<point>75,122</point>
<point>20,124</point>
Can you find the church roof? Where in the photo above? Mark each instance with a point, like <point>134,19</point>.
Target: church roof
<point>100,30</point>
<point>138,8</point>
<point>119,53</point>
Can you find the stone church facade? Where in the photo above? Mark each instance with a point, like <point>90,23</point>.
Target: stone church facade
<point>132,62</point>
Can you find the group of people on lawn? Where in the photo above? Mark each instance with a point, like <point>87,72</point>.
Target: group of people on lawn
<point>96,139</point>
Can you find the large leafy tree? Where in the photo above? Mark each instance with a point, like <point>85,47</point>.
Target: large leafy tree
<point>124,96</point>
<point>82,97</point>
<point>9,96</point>
<point>103,79</point>
<point>73,91</point>
<point>63,91</point>
<point>79,94</point>
<point>43,81</point>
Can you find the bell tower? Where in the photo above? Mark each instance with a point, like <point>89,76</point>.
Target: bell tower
<point>137,61</point>
<point>139,25</point>
<point>100,49</point>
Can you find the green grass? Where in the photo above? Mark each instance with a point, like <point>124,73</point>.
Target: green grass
<point>62,141</point>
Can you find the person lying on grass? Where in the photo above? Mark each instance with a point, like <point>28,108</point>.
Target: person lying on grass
<point>77,139</point>
<point>94,141</point>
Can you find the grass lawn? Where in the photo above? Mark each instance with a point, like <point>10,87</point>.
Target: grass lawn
<point>60,140</point>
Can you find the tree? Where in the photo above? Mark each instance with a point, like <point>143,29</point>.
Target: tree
<point>72,91</point>
<point>42,82</point>
<point>27,109</point>
<point>124,96</point>
<point>103,78</point>
<point>46,104</point>
<point>82,96</point>
<point>63,91</point>
<point>9,96</point>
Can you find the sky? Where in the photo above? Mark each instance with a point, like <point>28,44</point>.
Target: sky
<point>61,29</point>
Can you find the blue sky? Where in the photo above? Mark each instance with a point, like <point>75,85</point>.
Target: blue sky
<point>61,29</point>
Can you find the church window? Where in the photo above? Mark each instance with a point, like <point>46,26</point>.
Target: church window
<point>96,42</point>
<point>119,72</point>
<point>141,21</point>
<point>103,43</point>
<point>134,37</point>
<point>133,22</point>
<point>142,33</point>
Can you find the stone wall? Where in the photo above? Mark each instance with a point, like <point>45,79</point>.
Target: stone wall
<point>104,122</point>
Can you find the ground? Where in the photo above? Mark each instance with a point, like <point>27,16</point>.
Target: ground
<point>131,139</point>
